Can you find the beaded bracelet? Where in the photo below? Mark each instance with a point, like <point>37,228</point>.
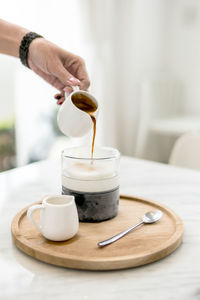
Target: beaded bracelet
<point>24,46</point>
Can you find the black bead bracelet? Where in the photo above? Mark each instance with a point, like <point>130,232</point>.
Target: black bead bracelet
<point>24,46</point>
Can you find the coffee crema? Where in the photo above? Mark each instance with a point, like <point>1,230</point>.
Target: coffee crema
<point>86,104</point>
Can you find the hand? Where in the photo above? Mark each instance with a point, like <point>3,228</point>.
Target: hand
<point>58,67</point>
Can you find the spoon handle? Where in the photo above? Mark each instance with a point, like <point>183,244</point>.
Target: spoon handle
<point>118,236</point>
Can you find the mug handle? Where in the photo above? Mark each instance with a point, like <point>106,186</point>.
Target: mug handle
<point>30,212</point>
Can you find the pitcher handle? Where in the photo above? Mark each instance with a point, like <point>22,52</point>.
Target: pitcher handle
<point>75,88</point>
<point>30,212</point>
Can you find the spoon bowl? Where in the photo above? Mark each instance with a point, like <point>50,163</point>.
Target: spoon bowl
<point>152,216</point>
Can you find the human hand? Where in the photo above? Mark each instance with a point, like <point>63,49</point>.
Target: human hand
<point>57,66</point>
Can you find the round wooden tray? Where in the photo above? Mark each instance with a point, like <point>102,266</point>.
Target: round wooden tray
<point>146,244</point>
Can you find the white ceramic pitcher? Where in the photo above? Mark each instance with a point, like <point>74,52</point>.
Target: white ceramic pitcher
<point>73,121</point>
<point>58,217</point>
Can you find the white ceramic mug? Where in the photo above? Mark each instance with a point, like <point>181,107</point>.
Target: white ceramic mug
<point>58,217</point>
<point>73,121</point>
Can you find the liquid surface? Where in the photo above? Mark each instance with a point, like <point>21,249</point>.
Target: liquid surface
<point>84,103</point>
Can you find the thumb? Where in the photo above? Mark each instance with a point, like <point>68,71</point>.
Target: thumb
<point>64,76</point>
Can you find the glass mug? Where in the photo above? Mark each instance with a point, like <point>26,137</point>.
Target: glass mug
<point>94,183</point>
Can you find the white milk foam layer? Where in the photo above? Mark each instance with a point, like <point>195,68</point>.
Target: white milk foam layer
<point>86,177</point>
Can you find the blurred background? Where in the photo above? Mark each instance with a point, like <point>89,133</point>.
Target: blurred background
<point>143,58</point>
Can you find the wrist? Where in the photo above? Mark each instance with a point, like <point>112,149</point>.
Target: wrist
<point>24,46</point>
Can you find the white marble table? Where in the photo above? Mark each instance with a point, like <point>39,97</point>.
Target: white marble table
<point>174,277</point>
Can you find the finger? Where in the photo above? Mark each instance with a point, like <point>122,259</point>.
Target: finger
<point>64,76</point>
<point>85,83</point>
<point>59,95</point>
<point>68,89</point>
<point>82,75</point>
<point>60,101</point>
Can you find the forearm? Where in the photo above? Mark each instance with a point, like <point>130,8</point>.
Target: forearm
<point>10,38</point>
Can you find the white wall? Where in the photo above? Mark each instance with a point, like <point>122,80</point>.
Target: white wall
<point>184,50</point>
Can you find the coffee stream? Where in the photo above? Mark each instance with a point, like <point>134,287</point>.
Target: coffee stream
<point>86,104</point>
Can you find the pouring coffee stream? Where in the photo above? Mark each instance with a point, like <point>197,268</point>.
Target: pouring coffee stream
<point>87,105</point>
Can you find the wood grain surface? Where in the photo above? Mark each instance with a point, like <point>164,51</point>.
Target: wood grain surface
<point>146,244</point>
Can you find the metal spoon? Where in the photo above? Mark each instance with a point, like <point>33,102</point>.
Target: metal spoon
<point>148,218</point>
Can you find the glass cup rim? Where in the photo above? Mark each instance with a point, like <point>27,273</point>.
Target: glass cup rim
<point>115,155</point>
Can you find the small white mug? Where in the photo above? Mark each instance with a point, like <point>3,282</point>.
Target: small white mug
<point>73,121</point>
<point>58,217</point>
